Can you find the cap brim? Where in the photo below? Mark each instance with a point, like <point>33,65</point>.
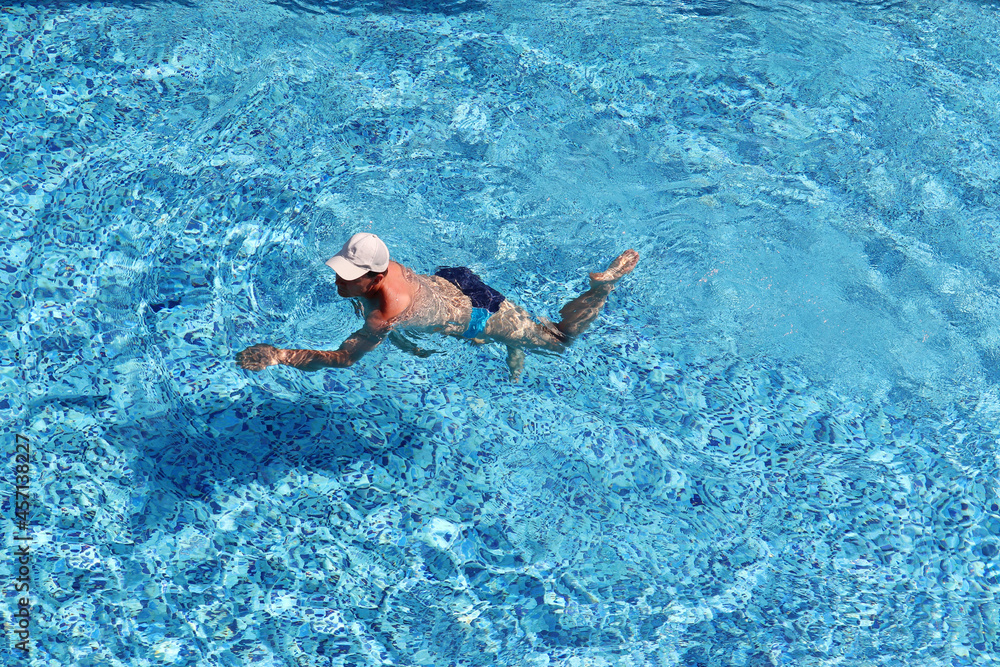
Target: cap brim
<point>344,268</point>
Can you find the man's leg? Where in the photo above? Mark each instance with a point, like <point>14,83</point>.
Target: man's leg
<point>515,328</point>
<point>579,313</point>
<point>515,362</point>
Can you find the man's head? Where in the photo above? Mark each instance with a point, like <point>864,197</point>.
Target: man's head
<point>363,259</point>
<point>362,254</point>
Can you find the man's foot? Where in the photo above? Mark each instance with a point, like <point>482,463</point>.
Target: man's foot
<point>622,266</point>
<point>581,311</point>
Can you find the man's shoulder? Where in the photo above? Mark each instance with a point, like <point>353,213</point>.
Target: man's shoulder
<point>407,274</point>
<point>376,322</point>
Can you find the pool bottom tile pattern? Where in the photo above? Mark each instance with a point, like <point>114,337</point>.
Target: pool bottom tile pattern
<point>787,526</point>
<point>777,445</point>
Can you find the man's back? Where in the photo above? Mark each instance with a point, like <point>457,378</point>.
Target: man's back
<point>409,300</point>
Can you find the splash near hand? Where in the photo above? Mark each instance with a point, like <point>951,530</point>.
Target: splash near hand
<point>258,357</point>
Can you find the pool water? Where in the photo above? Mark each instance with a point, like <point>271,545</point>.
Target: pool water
<point>777,446</point>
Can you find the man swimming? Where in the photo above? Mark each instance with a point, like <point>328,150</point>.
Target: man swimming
<point>454,301</point>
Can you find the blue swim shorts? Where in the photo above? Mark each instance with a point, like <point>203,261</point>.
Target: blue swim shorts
<point>485,300</point>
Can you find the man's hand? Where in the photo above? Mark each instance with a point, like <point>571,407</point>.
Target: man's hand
<point>258,357</point>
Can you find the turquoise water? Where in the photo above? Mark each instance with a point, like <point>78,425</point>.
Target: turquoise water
<point>776,447</point>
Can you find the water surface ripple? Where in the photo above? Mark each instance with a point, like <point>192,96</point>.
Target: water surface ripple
<point>777,446</point>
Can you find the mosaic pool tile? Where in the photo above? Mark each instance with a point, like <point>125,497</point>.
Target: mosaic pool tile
<point>775,447</point>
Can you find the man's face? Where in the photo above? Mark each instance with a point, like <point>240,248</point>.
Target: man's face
<point>352,289</point>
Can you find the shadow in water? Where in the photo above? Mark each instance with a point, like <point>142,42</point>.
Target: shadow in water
<point>184,457</point>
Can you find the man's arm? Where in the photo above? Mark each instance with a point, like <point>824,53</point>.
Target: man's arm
<point>361,342</point>
<point>409,346</point>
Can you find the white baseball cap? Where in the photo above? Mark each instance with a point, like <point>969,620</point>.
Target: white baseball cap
<point>364,252</point>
